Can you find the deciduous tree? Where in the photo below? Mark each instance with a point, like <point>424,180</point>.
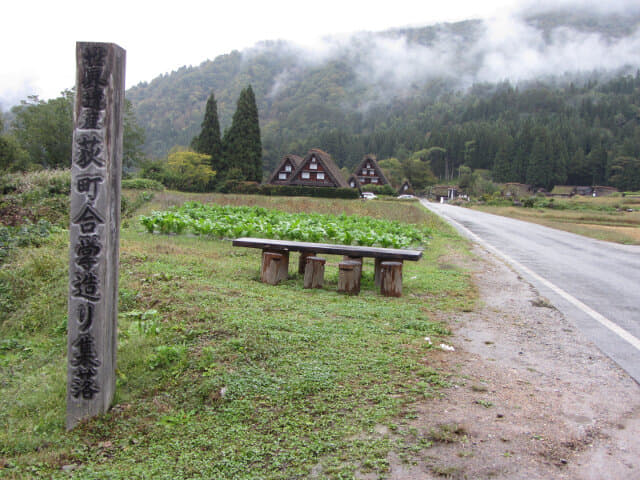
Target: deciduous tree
<point>44,130</point>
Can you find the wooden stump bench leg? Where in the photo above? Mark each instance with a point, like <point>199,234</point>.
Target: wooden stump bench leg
<point>391,279</point>
<point>314,272</point>
<point>376,270</point>
<point>358,260</point>
<point>349,277</point>
<point>302,261</point>
<point>275,267</point>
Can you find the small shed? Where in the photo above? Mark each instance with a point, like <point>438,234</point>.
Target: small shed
<point>563,191</point>
<point>584,191</point>
<point>406,188</point>
<point>353,182</point>
<point>444,193</point>
<point>603,191</point>
<point>318,169</point>
<point>283,172</point>
<point>517,190</point>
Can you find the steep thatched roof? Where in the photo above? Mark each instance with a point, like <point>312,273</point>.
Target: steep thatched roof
<point>329,166</point>
<point>295,160</point>
<point>356,183</point>
<point>409,190</point>
<point>373,161</point>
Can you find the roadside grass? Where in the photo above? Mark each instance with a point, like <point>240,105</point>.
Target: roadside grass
<point>603,218</point>
<point>219,375</point>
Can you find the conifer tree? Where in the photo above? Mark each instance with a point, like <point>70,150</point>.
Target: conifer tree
<point>241,144</point>
<point>209,141</point>
<point>502,168</point>
<point>540,167</point>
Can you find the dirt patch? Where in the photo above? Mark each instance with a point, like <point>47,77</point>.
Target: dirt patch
<point>532,397</point>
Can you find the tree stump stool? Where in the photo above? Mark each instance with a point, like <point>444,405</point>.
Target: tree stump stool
<point>275,267</point>
<point>391,279</point>
<point>302,261</point>
<point>314,272</point>
<point>349,277</point>
<point>355,259</point>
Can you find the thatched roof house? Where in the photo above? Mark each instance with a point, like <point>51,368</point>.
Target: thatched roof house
<point>368,172</point>
<point>517,190</point>
<point>353,182</point>
<point>563,191</point>
<point>318,169</point>
<point>285,169</point>
<point>604,191</point>
<point>406,188</point>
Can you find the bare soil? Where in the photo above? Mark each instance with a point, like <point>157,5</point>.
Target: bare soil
<point>532,398</point>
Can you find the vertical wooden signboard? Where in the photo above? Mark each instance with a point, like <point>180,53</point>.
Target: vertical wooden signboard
<point>94,229</point>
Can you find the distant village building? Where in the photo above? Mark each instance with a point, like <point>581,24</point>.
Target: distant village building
<point>406,188</point>
<point>603,191</point>
<point>584,191</point>
<point>571,190</point>
<point>444,193</point>
<point>284,171</point>
<point>563,191</point>
<point>517,190</point>
<point>369,173</point>
<point>317,169</point>
<point>353,182</point>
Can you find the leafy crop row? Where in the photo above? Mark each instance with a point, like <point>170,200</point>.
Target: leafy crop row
<point>233,222</point>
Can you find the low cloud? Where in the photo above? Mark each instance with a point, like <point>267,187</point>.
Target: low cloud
<point>501,48</point>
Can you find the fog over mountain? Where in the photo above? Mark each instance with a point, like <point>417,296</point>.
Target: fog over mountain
<point>514,47</point>
<point>353,73</point>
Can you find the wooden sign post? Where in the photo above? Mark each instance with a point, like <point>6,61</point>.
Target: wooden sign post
<point>94,230</point>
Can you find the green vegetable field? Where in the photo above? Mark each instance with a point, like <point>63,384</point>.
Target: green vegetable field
<point>239,221</point>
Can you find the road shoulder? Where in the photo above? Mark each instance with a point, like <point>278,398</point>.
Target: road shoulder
<point>531,398</point>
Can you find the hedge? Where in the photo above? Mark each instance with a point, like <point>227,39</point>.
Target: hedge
<point>142,184</point>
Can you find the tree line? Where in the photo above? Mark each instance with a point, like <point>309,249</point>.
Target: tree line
<point>539,134</point>
<point>215,161</point>
<point>542,134</point>
<point>40,135</point>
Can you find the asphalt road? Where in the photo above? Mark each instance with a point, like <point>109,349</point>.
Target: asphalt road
<point>594,284</point>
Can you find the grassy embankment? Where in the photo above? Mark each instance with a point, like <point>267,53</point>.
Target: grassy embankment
<point>602,218</point>
<point>219,375</point>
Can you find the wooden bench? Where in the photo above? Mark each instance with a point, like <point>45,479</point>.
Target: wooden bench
<point>353,252</point>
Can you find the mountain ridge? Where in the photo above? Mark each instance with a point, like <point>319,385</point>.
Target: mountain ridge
<point>370,81</point>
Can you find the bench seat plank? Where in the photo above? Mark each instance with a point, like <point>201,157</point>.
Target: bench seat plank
<point>328,248</point>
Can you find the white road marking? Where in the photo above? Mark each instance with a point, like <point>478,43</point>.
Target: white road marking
<point>601,319</point>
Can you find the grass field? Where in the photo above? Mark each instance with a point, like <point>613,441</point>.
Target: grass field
<point>604,218</point>
<point>219,375</point>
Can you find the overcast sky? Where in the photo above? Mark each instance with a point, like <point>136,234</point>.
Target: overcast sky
<point>38,38</point>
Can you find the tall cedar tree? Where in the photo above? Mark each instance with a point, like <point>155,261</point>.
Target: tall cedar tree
<point>209,142</point>
<point>242,146</point>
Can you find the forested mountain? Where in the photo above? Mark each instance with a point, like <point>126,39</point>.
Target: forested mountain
<point>543,99</point>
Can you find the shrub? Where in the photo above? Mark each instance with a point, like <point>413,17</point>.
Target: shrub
<point>239,186</point>
<point>129,205</point>
<point>302,191</point>
<point>25,235</point>
<point>379,189</point>
<point>184,170</point>
<point>142,184</point>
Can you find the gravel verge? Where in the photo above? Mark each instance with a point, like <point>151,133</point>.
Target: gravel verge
<point>531,398</point>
